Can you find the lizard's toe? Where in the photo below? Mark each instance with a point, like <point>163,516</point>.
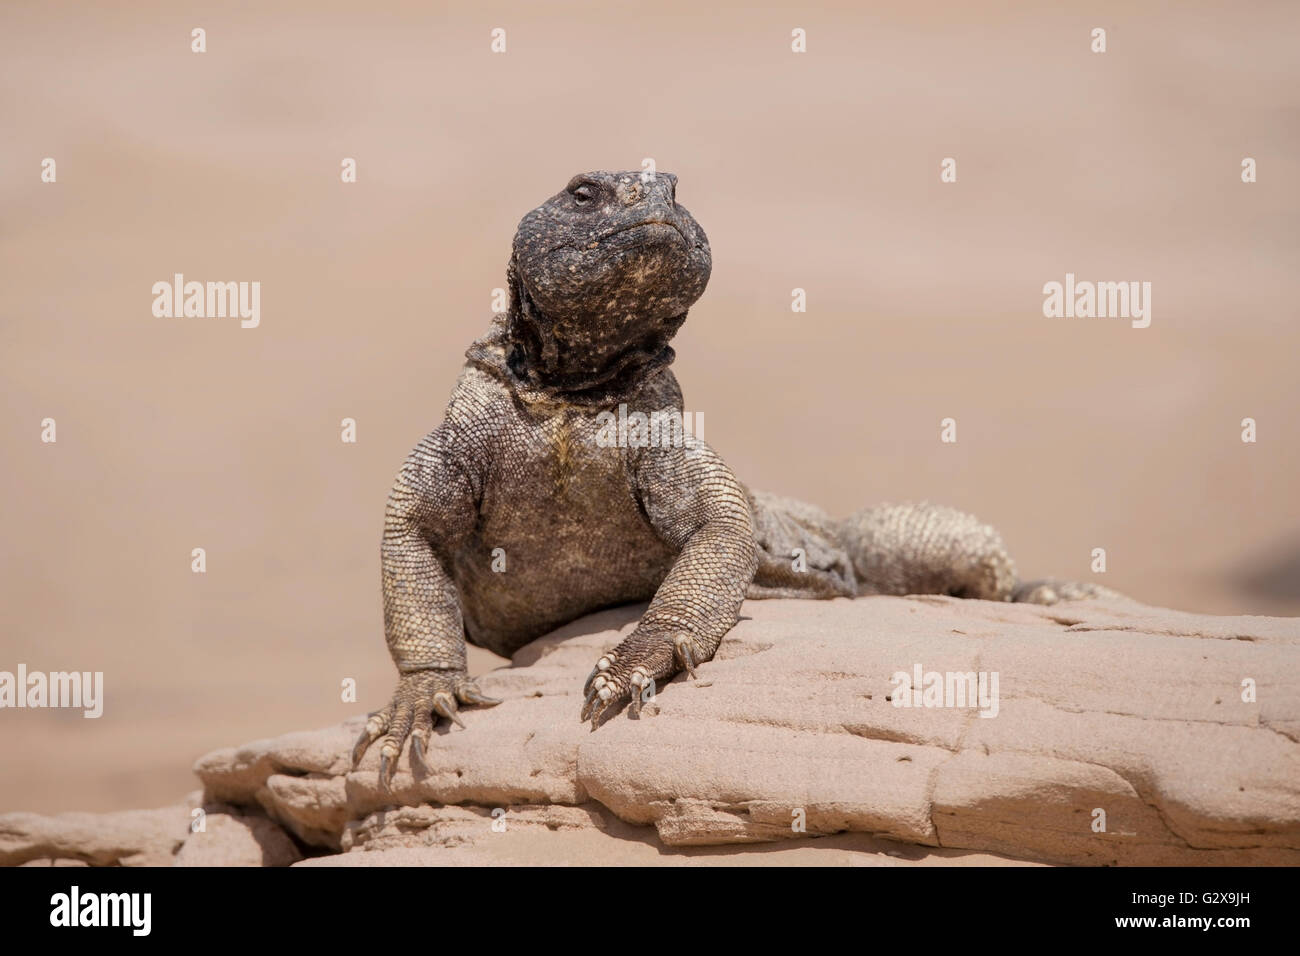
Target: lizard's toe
<point>421,697</point>
<point>642,692</point>
<point>374,729</point>
<point>630,673</point>
<point>604,691</point>
<point>684,649</point>
<point>391,748</point>
<point>420,739</point>
<point>605,663</point>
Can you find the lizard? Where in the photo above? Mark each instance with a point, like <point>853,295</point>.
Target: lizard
<point>522,512</point>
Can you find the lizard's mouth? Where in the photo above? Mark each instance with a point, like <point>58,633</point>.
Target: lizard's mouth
<point>648,231</point>
<point>628,243</point>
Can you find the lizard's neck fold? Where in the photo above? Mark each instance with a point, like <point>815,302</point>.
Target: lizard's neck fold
<point>518,362</point>
<point>589,363</point>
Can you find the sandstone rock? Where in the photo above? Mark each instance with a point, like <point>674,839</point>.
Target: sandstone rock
<point>126,838</point>
<point>454,826</point>
<point>792,732</point>
<point>236,839</point>
<point>47,861</point>
<point>591,836</point>
<point>230,837</point>
<point>1115,734</point>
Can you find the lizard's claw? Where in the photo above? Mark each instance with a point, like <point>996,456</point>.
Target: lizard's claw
<point>631,672</point>
<point>445,705</point>
<point>418,697</point>
<point>420,736</point>
<point>467,692</point>
<point>374,728</point>
<point>683,648</point>
<point>605,663</point>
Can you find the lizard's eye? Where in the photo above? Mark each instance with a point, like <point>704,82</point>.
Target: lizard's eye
<point>584,194</point>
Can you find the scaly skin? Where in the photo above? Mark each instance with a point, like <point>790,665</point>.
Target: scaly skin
<point>600,279</point>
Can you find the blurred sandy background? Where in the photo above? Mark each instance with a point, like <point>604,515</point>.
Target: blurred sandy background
<point>817,171</point>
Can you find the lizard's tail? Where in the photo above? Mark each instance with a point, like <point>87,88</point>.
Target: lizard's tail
<point>890,549</point>
<point>927,549</point>
<point>932,549</point>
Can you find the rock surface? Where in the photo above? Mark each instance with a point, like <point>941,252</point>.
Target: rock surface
<point>238,839</point>
<point>170,836</point>
<point>126,838</point>
<point>1108,713</point>
<point>1115,734</point>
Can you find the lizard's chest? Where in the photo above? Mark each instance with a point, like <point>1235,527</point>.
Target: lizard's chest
<point>557,472</point>
<point>560,534</point>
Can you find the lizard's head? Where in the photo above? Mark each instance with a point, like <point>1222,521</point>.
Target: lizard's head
<point>601,277</point>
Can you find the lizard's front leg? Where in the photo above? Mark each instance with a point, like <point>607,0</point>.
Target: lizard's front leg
<point>697,506</point>
<point>433,499</point>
